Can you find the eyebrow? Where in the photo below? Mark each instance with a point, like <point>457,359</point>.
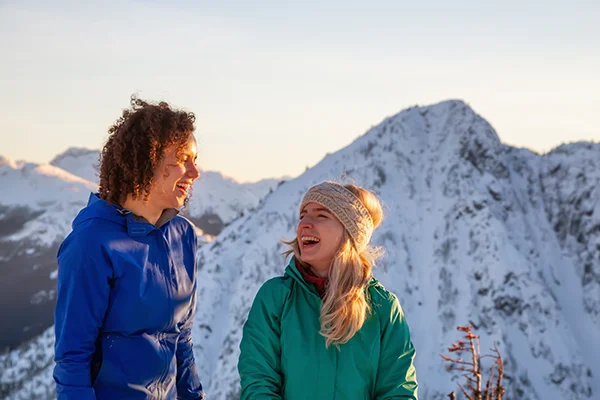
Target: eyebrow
<point>318,209</point>
<point>191,154</point>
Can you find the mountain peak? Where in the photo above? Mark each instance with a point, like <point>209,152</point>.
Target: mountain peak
<point>476,232</point>
<point>6,161</point>
<point>79,161</point>
<point>448,125</point>
<point>74,152</point>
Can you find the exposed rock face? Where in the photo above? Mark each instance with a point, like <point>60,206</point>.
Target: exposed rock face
<point>37,205</point>
<point>476,232</point>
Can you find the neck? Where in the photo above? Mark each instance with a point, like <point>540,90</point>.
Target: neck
<point>320,270</point>
<point>143,209</point>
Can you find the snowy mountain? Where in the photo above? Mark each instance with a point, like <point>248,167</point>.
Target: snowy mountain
<point>476,232</point>
<point>216,200</point>
<point>211,209</point>
<point>37,205</point>
<point>79,161</point>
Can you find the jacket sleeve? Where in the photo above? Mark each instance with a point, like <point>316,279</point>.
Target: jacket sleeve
<point>82,300</point>
<point>259,364</point>
<point>189,386</point>
<point>396,376</point>
<point>188,381</point>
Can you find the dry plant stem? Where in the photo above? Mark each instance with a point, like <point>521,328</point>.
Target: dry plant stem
<point>499,389</point>
<point>465,392</point>
<point>472,370</point>
<point>476,363</point>
<point>488,385</point>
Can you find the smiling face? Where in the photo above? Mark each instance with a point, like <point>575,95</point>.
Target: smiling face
<point>174,175</point>
<point>319,235</point>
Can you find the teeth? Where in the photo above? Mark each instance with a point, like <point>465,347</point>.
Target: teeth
<point>183,186</point>
<point>306,239</point>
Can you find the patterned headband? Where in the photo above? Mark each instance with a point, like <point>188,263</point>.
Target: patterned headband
<point>351,212</point>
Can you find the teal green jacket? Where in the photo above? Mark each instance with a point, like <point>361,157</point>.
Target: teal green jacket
<point>283,356</point>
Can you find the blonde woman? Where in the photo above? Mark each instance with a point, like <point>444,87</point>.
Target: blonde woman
<point>327,329</point>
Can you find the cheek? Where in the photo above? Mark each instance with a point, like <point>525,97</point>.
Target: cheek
<point>336,232</point>
<point>173,171</point>
<point>159,182</point>
<point>340,237</point>
<point>172,175</point>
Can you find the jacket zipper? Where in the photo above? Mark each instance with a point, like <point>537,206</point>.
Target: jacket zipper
<point>167,276</point>
<point>164,374</point>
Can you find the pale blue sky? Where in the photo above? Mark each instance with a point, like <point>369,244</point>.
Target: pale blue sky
<point>277,84</point>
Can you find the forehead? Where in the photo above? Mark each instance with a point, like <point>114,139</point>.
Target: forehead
<point>314,207</point>
<point>189,146</point>
<point>190,143</point>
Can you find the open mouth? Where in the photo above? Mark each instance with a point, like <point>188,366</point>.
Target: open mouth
<point>308,242</point>
<point>184,187</point>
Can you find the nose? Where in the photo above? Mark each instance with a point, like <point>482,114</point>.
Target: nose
<point>306,222</point>
<point>192,171</point>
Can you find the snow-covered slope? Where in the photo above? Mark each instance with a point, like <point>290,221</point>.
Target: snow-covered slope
<point>469,238</point>
<point>218,196</point>
<point>476,232</point>
<point>215,198</point>
<point>36,185</point>
<point>37,205</point>
<point>571,193</point>
<point>79,161</point>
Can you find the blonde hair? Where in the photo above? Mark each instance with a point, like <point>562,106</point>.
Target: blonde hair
<point>345,305</point>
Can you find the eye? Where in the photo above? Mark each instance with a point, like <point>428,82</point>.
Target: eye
<point>185,158</point>
<point>322,216</point>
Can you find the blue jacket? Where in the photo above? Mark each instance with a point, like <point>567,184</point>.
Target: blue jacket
<point>125,306</point>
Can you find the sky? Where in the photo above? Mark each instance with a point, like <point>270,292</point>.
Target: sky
<point>277,84</point>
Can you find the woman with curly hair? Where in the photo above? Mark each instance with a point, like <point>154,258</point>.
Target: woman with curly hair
<point>327,329</point>
<point>126,293</point>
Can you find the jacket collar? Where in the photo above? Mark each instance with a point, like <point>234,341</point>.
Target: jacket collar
<point>140,226</point>
<point>135,224</point>
<point>292,271</point>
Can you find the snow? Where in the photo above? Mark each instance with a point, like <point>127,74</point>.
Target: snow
<point>51,196</point>
<point>37,185</point>
<point>212,193</point>
<point>37,205</point>
<point>81,162</point>
<point>216,193</point>
<point>54,274</point>
<point>475,232</point>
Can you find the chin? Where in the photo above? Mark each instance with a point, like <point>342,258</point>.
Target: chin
<point>178,202</point>
<point>309,260</point>
<point>303,259</point>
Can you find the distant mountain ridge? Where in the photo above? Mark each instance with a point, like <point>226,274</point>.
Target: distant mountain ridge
<point>214,193</point>
<point>38,203</point>
<point>475,231</point>
<point>79,161</point>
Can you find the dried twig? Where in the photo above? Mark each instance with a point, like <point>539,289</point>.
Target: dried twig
<point>473,374</point>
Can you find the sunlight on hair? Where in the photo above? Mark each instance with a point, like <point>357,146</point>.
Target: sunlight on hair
<point>345,303</point>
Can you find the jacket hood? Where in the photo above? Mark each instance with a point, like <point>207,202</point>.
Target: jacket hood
<point>292,271</point>
<point>98,208</point>
<point>136,226</point>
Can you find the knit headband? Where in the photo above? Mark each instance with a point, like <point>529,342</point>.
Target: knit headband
<point>351,212</point>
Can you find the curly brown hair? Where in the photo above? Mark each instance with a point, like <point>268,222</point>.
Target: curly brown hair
<point>136,145</point>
